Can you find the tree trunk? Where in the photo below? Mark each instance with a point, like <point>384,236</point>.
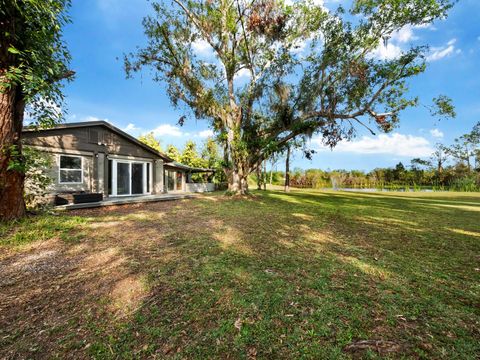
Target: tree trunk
<point>264,177</point>
<point>287,171</point>
<point>237,182</point>
<point>271,175</point>
<point>12,106</point>
<point>259,177</point>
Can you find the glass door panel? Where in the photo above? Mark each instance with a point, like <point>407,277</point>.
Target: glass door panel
<point>123,178</point>
<point>179,181</point>
<point>137,178</point>
<point>170,180</point>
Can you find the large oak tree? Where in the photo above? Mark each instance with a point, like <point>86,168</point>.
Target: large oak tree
<point>308,70</point>
<point>33,61</point>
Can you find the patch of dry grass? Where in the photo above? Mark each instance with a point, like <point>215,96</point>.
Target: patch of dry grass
<point>306,274</point>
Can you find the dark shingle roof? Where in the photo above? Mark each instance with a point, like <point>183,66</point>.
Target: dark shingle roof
<point>104,124</point>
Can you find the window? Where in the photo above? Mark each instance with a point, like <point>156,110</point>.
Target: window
<point>70,169</point>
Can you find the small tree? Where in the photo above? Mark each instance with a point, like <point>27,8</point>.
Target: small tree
<point>173,153</point>
<point>213,157</point>
<point>33,60</point>
<point>463,149</point>
<point>439,158</point>
<point>37,178</point>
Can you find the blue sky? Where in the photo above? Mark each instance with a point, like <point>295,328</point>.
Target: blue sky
<point>103,30</point>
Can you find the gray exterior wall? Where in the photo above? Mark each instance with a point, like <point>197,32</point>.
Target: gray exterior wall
<point>95,144</point>
<point>200,187</point>
<point>88,179</point>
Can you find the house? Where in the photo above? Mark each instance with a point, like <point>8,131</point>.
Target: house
<point>98,158</point>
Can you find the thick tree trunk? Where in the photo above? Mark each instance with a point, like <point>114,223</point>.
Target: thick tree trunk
<point>12,106</point>
<point>237,182</point>
<point>287,171</point>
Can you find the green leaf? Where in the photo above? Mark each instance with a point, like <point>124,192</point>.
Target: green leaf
<point>13,50</point>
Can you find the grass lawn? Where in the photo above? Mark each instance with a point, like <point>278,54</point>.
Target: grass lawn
<point>302,275</point>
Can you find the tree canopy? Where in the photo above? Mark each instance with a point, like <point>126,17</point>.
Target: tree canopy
<point>36,57</point>
<point>150,140</point>
<point>281,70</point>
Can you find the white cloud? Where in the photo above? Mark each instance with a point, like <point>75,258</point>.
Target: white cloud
<point>205,133</point>
<point>130,127</point>
<point>318,3</point>
<point>242,74</point>
<point>395,45</point>
<point>404,35</point>
<point>387,52</point>
<point>383,144</point>
<point>438,53</point>
<point>202,47</point>
<point>167,130</point>
<point>436,133</point>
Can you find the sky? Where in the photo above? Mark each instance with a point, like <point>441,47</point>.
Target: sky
<point>102,31</point>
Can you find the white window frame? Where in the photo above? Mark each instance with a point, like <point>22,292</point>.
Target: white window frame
<point>64,169</point>
<point>115,161</point>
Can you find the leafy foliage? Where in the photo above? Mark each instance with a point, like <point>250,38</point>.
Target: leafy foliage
<point>37,57</point>
<point>173,153</point>
<point>150,140</point>
<point>308,70</point>
<point>37,179</point>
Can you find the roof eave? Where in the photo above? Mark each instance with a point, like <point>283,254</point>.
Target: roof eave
<point>100,123</point>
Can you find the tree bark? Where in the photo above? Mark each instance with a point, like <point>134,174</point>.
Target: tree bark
<point>287,171</point>
<point>12,107</point>
<point>237,182</point>
<point>264,177</point>
<point>259,177</point>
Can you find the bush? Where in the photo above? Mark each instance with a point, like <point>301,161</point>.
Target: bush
<point>37,179</point>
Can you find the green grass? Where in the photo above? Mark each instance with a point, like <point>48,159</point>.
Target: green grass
<point>299,275</point>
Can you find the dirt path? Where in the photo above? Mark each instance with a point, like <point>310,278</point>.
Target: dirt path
<point>51,292</point>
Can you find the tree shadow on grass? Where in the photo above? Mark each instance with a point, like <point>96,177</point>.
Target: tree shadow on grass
<point>270,277</point>
<point>297,288</point>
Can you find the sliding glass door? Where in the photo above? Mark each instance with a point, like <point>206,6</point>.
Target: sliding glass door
<point>129,177</point>
<point>123,178</point>
<point>137,178</point>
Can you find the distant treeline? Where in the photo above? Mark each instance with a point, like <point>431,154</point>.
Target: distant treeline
<point>455,178</point>
<point>455,167</point>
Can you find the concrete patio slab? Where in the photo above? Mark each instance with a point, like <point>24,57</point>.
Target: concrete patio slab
<point>127,200</point>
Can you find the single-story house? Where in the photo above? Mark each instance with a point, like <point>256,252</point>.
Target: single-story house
<point>98,158</point>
